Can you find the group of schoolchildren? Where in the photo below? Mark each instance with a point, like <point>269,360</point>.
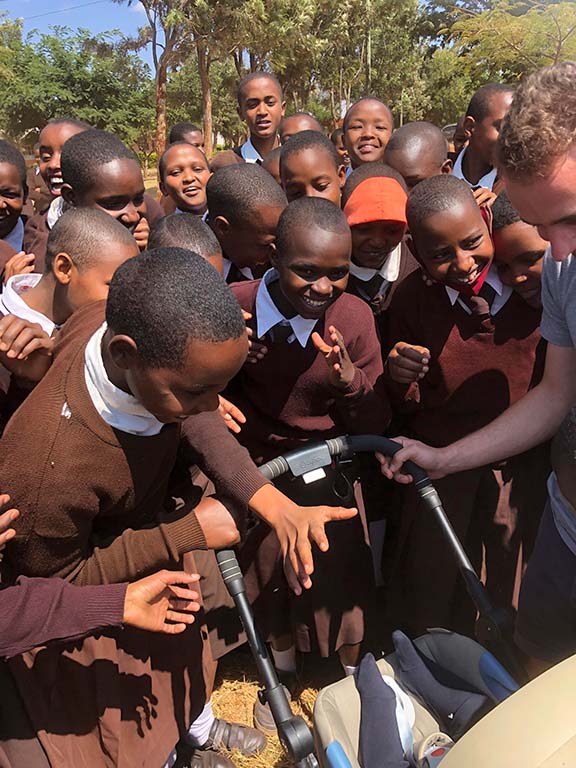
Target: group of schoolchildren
<point>376,287</point>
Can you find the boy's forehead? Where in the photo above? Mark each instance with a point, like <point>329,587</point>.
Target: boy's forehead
<point>9,174</point>
<point>55,134</point>
<point>316,157</point>
<point>499,104</point>
<point>451,221</point>
<point>260,87</point>
<point>369,108</point>
<point>183,152</point>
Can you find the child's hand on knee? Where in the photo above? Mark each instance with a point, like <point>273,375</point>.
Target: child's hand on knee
<point>408,363</point>
<point>141,233</point>
<point>342,369</point>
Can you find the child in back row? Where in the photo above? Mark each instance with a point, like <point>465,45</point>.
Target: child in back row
<point>374,202</point>
<point>417,151</point>
<point>183,173</point>
<point>185,230</point>
<point>261,105</point>
<point>244,204</point>
<point>320,377</point>
<point>368,126</point>
<point>311,167</point>
<point>13,194</point>
<point>296,123</point>
<point>465,347</point>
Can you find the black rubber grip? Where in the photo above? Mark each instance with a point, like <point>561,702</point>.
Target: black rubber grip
<point>370,443</point>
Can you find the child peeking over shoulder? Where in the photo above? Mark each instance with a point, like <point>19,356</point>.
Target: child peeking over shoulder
<point>310,166</point>
<point>183,171</point>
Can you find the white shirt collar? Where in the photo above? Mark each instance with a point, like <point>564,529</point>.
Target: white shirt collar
<point>503,292</point>
<point>12,303</point>
<point>250,153</point>
<point>118,409</point>
<point>268,315</point>
<point>14,238</point>
<point>389,270</point>
<point>246,271</point>
<point>56,209</point>
<point>487,181</point>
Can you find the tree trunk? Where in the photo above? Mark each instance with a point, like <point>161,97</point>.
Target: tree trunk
<point>161,83</point>
<point>204,72</point>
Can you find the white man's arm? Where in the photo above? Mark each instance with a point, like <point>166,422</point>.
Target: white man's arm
<point>532,420</point>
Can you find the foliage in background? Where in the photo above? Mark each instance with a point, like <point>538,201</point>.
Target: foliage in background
<point>423,58</point>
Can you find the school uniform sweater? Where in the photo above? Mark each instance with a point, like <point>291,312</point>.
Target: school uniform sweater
<point>91,500</point>
<point>287,397</point>
<point>474,375</point>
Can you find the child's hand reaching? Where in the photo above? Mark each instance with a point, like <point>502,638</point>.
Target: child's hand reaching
<point>257,349</point>
<point>408,363</point>
<point>341,368</point>
<point>141,233</point>
<point>162,602</point>
<point>6,520</point>
<point>19,338</point>
<point>233,416</point>
<point>20,264</point>
<point>484,196</point>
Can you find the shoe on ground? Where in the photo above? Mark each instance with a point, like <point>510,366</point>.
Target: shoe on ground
<point>430,752</point>
<point>233,736</point>
<point>203,758</point>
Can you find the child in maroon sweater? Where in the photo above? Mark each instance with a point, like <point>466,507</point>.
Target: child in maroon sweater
<point>465,348</point>
<point>319,378</point>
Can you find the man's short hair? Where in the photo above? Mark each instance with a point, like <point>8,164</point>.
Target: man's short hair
<point>309,213</point>
<point>237,192</point>
<point>85,234</point>
<point>85,153</point>
<point>479,106</point>
<point>540,127</point>
<point>178,132</point>
<point>165,298</point>
<point>369,171</point>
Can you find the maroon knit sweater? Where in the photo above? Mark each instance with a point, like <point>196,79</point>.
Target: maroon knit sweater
<point>36,611</point>
<point>474,376</point>
<point>287,397</point>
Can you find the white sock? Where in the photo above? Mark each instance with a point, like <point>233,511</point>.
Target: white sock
<point>171,760</point>
<point>285,661</point>
<point>348,670</point>
<point>199,731</point>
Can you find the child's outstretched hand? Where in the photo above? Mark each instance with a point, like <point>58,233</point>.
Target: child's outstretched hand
<point>161,602</point>
<point>6,520</point>
<point>408,363</point>
<point>233,416</point>
<point>19,338</point>
<point>342,369</point>
<point>141,233</point>
<point>484,196</point>
<point>20,264</point>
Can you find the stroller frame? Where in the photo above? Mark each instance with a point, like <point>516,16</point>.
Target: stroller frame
<point>495,625</point>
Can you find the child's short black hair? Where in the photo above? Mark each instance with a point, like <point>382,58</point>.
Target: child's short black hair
<point>10,155</point>
<point>503,213</point>
<point>434,195</point>
<point>178,132</point>
<point>165,298</point>
<point>359,101</point>
<point>84,233</point>
<point>335,135</point>
<point>309,140</point>
<point>309,213</point>
<point>479,106</point>
<point>184,230</point>
<point>369,171</point>
<point>68,121</point>
<point>301,113</point>
<point>84,153</point>
<point>162,161</point>
<point>256,76</point>
<point>237,192</point>
<point>421,136</point>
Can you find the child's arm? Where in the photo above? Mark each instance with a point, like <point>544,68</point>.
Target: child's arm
<point>25,349</point>
<point>141,233</point>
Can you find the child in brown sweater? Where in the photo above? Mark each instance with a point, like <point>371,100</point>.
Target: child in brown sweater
<point>464,349</point>
<point>320,377</point>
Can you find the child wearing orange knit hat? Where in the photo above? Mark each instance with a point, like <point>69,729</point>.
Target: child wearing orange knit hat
<point>374,202</point>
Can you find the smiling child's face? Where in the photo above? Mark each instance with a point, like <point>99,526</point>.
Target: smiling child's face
<point>11,197</point>
<point>313,271</point>
<point>185,175</point>
<point>312,173</point>
<point>367,131</point>
<point>454,245</point>
<point>519,255</point>
<point>52,139</point>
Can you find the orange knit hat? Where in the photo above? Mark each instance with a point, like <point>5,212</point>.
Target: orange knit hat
<point>378,198</point>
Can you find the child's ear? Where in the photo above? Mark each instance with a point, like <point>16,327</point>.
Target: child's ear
<point>221,226</point>
<point>468,127</point>
<point>446,166</point>
<point>162,187</point>
<point>283,108</point>
<point>123,351</point>
<point>342,175</point>
<point>411,247</point>
<point>62,268</point>
<point>68,194</point>
<point>273,255</point>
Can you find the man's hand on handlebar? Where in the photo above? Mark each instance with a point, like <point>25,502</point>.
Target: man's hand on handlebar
<point>429,459</point>
<point>296,528</point>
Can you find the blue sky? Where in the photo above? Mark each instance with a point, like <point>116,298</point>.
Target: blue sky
<point>99,16</point>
